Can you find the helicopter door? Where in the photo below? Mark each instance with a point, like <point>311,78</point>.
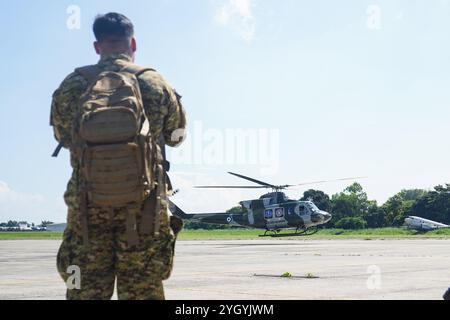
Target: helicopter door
<point>302,210</point>
<point>251,218</point>
<point>275,218</point>
<point>305,215</point>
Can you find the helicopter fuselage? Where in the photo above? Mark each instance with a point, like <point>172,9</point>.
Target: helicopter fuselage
<point>271,212</point>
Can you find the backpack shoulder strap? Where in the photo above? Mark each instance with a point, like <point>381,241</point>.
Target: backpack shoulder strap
<point>90,73</point>
<point>135,69</point>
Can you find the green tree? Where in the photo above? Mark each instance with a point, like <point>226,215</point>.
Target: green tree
<point>352,202</point>
<point>435,205</point>
<point>351,223</point>
<point>412,194</point>
<point>376,216</point>
<point>11,224</point>
<point>237,209</point>
<point>398,207</point>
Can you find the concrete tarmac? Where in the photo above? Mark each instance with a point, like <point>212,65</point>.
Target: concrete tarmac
<point>252,269</point>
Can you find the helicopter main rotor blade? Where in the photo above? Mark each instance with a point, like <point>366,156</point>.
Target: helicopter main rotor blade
<point>268,185</point>
<point>322,181</point>
<point>230,187</point>
<point>265,185</point>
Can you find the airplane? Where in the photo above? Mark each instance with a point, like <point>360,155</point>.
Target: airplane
<point>418,223</point>
<point>272,212</point>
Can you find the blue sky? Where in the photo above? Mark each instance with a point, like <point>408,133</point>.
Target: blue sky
<point>346,89</point>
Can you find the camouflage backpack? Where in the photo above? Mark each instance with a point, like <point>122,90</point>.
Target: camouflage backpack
<point>116,154</point>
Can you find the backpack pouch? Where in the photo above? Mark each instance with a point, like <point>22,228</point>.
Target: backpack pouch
<point>109,125</point>
<point>114,175</point>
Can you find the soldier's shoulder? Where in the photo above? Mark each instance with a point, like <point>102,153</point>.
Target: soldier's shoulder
<point>152,79</point>
<point>73,83</point>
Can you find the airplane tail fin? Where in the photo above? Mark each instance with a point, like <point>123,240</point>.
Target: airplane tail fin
<point>178,212</point>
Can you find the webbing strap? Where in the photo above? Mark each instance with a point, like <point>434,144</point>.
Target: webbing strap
<point>57,150</point>
<point>134,69</point>
<point>84,218</point>
<point>160,196</point>
<point>90,73</point>
<point>148,211</point>
<point>168,182</point>
<point>131,228</point>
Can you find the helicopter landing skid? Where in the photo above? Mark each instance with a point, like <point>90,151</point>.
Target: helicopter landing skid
<point>303,232</point>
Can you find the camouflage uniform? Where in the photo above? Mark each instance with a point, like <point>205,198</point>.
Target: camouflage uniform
<point>140,269</point>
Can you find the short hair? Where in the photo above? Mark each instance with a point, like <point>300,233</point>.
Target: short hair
<point>114,25</point>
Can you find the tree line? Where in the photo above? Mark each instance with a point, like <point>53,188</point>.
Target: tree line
<point>15,224</point>
<point>351,208</point>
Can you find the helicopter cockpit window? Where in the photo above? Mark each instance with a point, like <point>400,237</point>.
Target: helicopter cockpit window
<point>268,214</point>
<point>312,206</point>
<point>301,208</point>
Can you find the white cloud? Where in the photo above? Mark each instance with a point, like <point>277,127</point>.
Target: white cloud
<point>238,16</point>
<point>8,195</point>
<point>31,207</point>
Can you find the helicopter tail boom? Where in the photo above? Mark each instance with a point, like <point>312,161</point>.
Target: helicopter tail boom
<point>214,218</point>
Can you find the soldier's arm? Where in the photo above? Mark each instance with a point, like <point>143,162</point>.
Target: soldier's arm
<point>63,107</point>
<point>164,110</point>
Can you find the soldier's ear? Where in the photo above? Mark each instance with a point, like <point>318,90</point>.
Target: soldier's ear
<point>133,45</point>
<point>97,47</point>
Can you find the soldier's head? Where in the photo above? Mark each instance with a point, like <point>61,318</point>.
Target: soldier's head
<point>114,34</point>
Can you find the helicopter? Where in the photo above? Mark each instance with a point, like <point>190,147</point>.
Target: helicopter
<point>272,212</point>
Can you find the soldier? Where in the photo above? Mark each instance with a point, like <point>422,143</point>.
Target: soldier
<point>118,225</point>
